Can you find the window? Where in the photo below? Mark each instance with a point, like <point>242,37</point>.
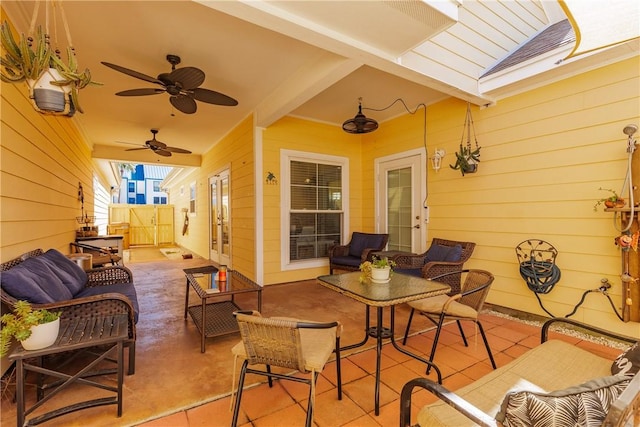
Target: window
<point>192,198</point>
<point>156,186</point>
<point>156,200</point>
<point>315,195</point>
<point>132,200</point>
<point>132,187</point>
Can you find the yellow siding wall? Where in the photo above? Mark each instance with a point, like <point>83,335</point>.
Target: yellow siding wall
<point>235,151</point>
<point>544,155</point>
<point>301,135</point>
<point>43,158</point>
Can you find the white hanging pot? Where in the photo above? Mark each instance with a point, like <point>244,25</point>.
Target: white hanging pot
<point>49,97</point>
<point>380,274</point>
<point>42,335</point>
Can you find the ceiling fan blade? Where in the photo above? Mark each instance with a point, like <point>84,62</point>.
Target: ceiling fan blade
<point>132,73</point>
<point>136,149</point>
<point>140,92</point>
<point>184,103</point>
<point>213,97</point>
<point>177,150</point>
<point>188,77</point>
<point>164,153</point>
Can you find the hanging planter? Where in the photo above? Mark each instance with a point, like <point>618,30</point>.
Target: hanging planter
<point>468,157</point>
<point>53,83</point>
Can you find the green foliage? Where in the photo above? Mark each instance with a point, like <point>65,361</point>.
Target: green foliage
<point>614,198</point>
<point>18,324</point>
<point>28,59</point>
<point>466,160</point>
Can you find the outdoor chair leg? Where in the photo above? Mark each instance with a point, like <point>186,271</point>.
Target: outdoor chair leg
<point>464,338</point>
<point>406,331</point>
<point>486,344</point>
<point>269,376</point>
<point>338,369</point>
<point>435,341</point>
<point>236,407</point>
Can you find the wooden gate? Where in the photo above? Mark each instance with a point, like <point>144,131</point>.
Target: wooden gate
<point>148,224</point>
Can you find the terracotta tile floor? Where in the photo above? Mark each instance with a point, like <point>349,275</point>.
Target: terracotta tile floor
<point>285,404</point>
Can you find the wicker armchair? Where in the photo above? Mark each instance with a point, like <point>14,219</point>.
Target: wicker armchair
<point>424,265</point>
<point>463,306</point>
<point>349,257</point>
<point>286,343</point>
<point>109,302</point>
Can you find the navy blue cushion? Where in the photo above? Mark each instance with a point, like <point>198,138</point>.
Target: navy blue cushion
<point>443,253</point>
<point>34,280</point>
<point>70,273</point>
<point>126,289</point>
<point>346,260</point>
<point>361,241</point>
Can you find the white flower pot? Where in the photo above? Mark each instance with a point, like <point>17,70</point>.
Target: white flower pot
<point>42,335</point>
<point>50,97</point>
<point>380,274</point>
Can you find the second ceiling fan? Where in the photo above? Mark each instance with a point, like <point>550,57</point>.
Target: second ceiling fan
<point>160,148</point>
<point>181,83</point>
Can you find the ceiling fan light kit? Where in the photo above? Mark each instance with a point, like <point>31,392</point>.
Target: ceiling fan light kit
<point>360,123</point>
<point>182,85</point>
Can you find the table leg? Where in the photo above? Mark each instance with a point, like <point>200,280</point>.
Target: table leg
<point>408,353</point>
<point>202,324</point>
<point>378,356</point>
<point>20,391</point>
<point>186,300</point>
<point>120,375</point>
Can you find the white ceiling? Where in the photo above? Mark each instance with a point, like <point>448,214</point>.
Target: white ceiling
<point>311,59</point>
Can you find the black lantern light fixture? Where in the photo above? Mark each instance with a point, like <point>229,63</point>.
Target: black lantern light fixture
<point>360,123</point>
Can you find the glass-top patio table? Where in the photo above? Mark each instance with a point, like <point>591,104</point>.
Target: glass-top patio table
<point>400,288</point>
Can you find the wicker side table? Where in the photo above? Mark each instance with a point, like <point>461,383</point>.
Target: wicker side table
<point>107,332</point>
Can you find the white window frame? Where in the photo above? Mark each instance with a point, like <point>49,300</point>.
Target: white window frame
<point>286,157</point>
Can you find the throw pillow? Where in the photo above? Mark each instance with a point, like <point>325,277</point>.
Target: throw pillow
<point>361,241</point>
<point>444,253</point>
<point>583,405</point>
<point>70,273</point>
<point>628,363</point>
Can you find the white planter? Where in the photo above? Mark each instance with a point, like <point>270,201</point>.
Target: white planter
<point>380,274</point>
<point>49,97</point>
<point>42,335</point>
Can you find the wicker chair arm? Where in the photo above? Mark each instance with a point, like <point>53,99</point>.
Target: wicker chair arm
<point>109,276</point>
<point>338,250</point>
<point>409,261</point>
<point>452,399</point>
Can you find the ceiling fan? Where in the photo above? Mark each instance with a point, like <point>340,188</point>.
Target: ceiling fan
<point>181,83</point>
<point>158,147</point>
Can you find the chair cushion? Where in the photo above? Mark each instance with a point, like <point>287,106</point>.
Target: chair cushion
<point>126,289</point>
<point>584,405</point>
<point>346,260</point>
<point>628,363</point>
<point>70,273</point>
<point>35,281</point>
<point>433,305</point>
<point>361,241</point>
<point>416,272</point>
<point>442,253</point>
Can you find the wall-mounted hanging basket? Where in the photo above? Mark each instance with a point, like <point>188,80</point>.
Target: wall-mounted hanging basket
<point>468,157</point>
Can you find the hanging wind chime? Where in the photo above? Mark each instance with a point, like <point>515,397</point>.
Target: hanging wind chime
<point>467,158</point>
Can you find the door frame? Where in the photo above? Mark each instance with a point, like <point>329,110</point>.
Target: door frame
<point>419,206</point>
<point>220,258</point>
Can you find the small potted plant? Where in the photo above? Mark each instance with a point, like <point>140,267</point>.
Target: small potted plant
<point>35,329</point>
<point>378,270</point>
<point>467,160</point>
<point>613,201</point>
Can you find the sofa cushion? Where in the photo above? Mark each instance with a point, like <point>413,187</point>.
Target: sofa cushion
<point>628,363</point>
<point>361,241</point>
<point>70,273</point>
<point>34,280</point>
<point>444,253</point>
<point>126,289</point>
<point>585,405</point>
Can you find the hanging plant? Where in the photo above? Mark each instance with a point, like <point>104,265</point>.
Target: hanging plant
<point>467,158</point>
<point>53,83</point>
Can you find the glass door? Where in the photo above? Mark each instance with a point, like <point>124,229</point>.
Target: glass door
<point>220,241</point>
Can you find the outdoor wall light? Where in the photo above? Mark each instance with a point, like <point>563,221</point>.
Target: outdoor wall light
<point>436,159</point>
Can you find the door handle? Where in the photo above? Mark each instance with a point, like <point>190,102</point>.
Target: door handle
<point>416,226</point>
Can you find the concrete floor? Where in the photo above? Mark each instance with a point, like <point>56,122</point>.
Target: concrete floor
<point>177,385</point>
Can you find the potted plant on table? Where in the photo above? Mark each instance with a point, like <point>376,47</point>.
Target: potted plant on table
<point>35,329</point>
<point>613,201</point>
<point>378,270</point>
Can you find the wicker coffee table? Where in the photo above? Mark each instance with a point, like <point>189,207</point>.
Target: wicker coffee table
<point>214,315</point>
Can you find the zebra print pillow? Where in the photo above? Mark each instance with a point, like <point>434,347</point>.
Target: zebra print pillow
<point>628,363</point>
<point>584,405</point>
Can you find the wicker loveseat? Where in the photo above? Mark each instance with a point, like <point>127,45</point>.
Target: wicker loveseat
<point>52,281</point>
<point>555,383</point>
<point>358,250</point>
